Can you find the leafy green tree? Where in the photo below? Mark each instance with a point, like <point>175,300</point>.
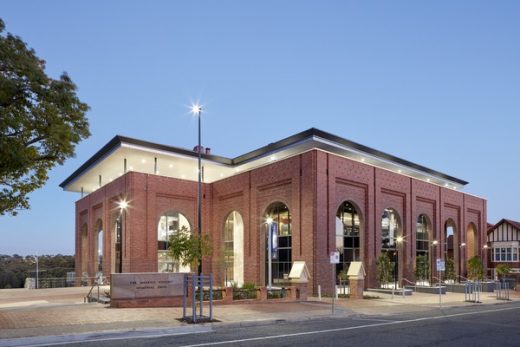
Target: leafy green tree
<point>475,269</point>
<point>188,248</point>
<point>422,268</point>
<point>449,273</point>
<point>41,121</point>
<point>384,269</point>
<point>503,270</point>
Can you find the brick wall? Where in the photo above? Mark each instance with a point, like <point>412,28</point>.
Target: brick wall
<point>313,185</point>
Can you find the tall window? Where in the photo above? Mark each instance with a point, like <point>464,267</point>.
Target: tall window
<point>280,229</point>
<point>423,236</point>
<point>233,249</point>
<point>390,224</point>
<point>169,223</point>
<point>84,250</point>
<point>347,233</point>
<point>99,246</point>
<point>390,230</point>
<point>118,261</point>
<point>450,239</point>
<point>422,249</point>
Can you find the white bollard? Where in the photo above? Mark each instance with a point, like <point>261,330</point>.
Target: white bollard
<point>319,292</point>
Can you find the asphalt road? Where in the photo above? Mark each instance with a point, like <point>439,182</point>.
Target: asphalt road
<point>496,325</point>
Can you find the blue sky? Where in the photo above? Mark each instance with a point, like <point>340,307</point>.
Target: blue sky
<point>437,83</point>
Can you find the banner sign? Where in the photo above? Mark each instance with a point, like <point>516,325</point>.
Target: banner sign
<point>274,240</point>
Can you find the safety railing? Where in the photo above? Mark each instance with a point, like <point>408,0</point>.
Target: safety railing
<point>502,290</point>
<point>472,291</point>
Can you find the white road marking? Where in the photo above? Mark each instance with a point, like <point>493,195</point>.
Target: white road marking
<point>350,328</point>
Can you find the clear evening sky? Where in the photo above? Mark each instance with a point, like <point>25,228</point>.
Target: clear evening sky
<point>436,83</point>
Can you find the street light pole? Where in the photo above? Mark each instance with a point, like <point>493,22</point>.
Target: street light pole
<point>398,242</point>
<point>197,110</point>
<point>269,254</point>
<point>461,266</point>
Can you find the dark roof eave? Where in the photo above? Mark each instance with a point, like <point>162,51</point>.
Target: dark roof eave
<point>118,140</point>
<point>333,138</point>
<point>262,151</point>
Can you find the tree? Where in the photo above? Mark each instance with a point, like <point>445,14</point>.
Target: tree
<point>475,269</point>
<point>384,269</point>
<point>502,271</point>
<point>41,121</point>
<point>422,268</point>
<point>450,274</point>
<point>188,248</point>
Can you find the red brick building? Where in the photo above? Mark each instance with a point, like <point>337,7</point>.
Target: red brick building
<point>321,191</point>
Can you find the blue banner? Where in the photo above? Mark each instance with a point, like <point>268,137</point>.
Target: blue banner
<point>274,240</point>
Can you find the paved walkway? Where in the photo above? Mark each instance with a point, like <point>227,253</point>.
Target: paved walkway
<point>44,312</point>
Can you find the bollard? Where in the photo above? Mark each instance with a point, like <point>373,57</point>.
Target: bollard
<point>319,292</point>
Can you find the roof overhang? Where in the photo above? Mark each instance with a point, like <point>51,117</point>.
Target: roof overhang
<point>147,157</point>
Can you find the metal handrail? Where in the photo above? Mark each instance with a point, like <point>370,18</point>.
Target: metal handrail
<point>414,284</point>
<point>464,278</point>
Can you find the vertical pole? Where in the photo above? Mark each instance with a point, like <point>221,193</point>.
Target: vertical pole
<point>193,300</point>
<point>201,297</point>
<point>199,220</point>
<point>319,292</point>
<point>269,256</point>
<point>82,192</point>
<point>99,178</point>
<point>155,166</point>
<point>211,297</point>
<point>333,288</point>
<point>124,165</point>
<point>184,286</point>
<point>440,302</point>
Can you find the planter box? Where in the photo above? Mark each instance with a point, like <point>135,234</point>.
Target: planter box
<point>407,291</point>
<point>487,287</point>
<point>428,289</point>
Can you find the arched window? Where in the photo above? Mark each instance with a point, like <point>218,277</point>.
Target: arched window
<point>422,249</point>
<point>84,249</point>
<point>390,230</point>
<point>450,239</point>
<point>99,246</point>
<point>234,249</point>
<point>280,229</point>
<point>171,222</point>
<point>117,238</point>
<point>347,235</point>
<point>423,236</point>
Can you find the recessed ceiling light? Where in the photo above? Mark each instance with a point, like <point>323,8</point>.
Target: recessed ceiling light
<point>363,160</point>
<point>143,161</point>
<point>131,167</point>
<point>170,166</point>
<point>399,170</point>
<point>221,175</point>
<point>273,158</point>
<point>157,172</point>
<point>428,180</point>
<point>183,176</point>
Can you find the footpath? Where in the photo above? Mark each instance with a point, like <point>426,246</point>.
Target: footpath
<point>41,313</point>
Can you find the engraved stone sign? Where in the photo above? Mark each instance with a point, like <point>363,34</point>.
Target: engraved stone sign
<point>146,285</point>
